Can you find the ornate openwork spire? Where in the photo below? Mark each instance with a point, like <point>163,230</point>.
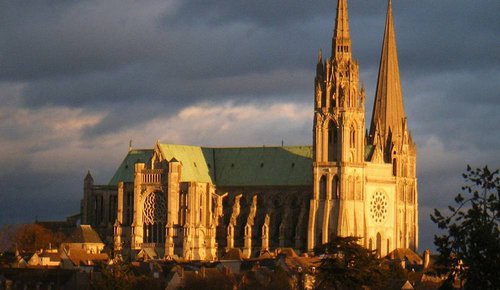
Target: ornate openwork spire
<point>341,42</point>
<point>388,110</point>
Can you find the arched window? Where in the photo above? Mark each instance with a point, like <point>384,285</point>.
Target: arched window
<point>353,137</point>
<point>335,187</point>
<point>394,167</point>
<point>322,188</point>
<point>332,141</point>
<point>379,245</point>
<point>330,133</point>
<point>154,217</point>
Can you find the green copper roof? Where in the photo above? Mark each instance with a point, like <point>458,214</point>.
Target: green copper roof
<point>125,171</point>
<point>263,166</point>
<point>244,166</point>
<point>238,166</point>
<point>193,160</point>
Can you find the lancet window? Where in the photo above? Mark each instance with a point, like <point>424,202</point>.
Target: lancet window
<point>353,137</point>
<point>335,185</point>
<point>322,188</point>
<point>332,141</point>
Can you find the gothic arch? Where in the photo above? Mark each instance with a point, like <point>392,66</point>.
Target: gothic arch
<point>154,213</point>
<point>335,187</point>
<point>326,120</point>
<point>322,188</point>
<point>319,119</point>
<point>353,123</point>
<point>352,135</point>
<point>333,140</point>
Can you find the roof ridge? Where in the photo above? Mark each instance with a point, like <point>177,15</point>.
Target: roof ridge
<point>235,147</point>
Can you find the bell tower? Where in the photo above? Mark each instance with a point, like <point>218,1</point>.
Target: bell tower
<point>338,140</point>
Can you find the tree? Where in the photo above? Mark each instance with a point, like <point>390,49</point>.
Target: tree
<point>32,237</point>
<point>116,276</point>
<point>216,280</point>
<point>264,279</point>
<point>470,247</point>
<point>348,265</point>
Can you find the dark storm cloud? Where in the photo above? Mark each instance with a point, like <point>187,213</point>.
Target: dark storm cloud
<point>32,195</point>
<point>80,53</point>
<point>126,63</point>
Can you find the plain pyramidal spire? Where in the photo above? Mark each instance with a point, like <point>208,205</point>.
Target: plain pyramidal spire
<point>88,176</point>
<point>388,110</point>
<point>341,42</point>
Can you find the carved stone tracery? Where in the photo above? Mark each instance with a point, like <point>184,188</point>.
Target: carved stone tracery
<point>378,207</point>
<point>155,209</point>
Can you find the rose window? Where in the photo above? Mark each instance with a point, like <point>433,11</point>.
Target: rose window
<point>378,207</point>
<point>155,210</point>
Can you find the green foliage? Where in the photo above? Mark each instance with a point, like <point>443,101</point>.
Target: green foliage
<point>470,248</point>
<point>348,265</point>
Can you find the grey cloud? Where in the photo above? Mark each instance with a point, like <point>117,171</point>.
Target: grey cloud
<point>135,61</point>
<point>147,58</point>
<point>53,40</point>
<point>262,13</point>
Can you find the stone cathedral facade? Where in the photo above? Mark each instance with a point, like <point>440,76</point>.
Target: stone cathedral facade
<point>200,202</point>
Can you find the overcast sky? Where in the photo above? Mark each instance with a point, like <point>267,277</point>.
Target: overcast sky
<point>79,79</point>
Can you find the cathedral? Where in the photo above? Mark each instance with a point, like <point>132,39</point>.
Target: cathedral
<point>198,203</point>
